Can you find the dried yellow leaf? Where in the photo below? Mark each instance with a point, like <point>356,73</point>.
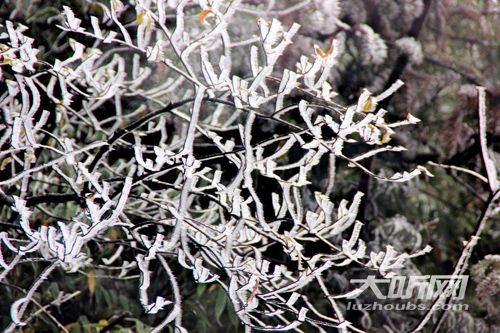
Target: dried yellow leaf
<point>30,156</point>
<point>204,14</point>
<point>321,53</point>
<point>368,106</point>
<point>140,18</point>
<point>385,138</point>
<point>115,5</point>
<point>114,235</point>
<point>5,162</point>
<point>103,322</point>
<point>96,10</point>
<point>91,282</point>
<point>254,290</point>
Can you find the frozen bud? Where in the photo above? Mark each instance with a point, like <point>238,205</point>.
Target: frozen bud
<point>315,20</point>
<point>412,48</point>
<point>330,8</point>
<point>372,47</point>
<point>413,8</point>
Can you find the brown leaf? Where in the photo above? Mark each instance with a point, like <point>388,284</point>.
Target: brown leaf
<point>204,14</point>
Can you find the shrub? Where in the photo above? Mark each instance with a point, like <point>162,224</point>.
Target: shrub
<point>172,137</point>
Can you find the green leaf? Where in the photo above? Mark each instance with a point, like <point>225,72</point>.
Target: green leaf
<point>75,328</point>
<point>54,289</point>
<point>108,299</point>
<point>233,318</point>
<point>220,303</point>
<point>200,289</point>
<point>140,327</point>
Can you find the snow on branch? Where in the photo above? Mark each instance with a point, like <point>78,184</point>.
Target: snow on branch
<point>160,123</point>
